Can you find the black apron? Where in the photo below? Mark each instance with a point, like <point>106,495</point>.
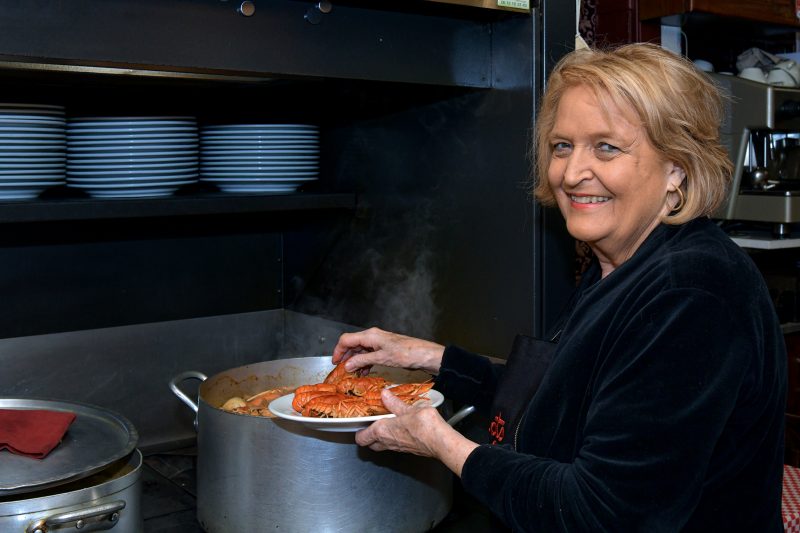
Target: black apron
<point>526,365</point>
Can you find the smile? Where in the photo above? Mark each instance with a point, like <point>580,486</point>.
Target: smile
<point>589,199</point>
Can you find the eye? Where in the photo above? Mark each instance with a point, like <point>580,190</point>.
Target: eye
<point>606,150</point>
<point>561,149</point>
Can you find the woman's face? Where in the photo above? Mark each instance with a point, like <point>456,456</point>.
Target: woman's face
<point>610,183</point>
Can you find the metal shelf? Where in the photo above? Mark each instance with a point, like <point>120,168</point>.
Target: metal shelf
<point>58,209</point>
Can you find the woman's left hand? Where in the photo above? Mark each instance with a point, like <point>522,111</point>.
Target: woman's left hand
<point>417,429</point>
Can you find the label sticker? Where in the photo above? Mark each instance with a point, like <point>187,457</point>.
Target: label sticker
<point>520,4</point>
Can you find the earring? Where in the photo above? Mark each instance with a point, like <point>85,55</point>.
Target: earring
<point>681,200</point>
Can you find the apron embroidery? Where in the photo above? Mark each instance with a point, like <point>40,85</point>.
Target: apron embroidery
<point>526,365</point>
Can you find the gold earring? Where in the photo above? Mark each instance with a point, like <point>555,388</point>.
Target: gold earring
<point>681,200</point>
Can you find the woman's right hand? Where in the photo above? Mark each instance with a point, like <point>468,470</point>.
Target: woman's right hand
<point>377,347</point>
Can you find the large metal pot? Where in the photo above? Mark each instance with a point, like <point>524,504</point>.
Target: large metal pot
<point>90,482</point>
<point>271,474</point>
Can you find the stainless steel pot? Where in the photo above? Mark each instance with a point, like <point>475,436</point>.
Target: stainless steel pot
<point>107,500</point>
<point>270,474</point>
<point>89,482</point>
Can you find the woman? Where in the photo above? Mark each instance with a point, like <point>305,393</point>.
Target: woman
<point>662,408</point>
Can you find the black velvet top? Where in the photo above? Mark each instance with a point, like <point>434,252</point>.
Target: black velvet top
<point>663,408</point>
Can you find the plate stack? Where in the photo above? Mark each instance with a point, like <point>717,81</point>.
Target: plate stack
<point>259,158</point>
<point>32,149</point>
<point>131,157</point>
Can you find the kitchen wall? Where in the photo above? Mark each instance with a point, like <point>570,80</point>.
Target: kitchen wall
<point>429,136</point>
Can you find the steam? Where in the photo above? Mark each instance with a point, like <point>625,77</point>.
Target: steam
<point>381,272</point>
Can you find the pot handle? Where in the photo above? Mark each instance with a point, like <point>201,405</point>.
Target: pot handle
<point>95,518</point>
<point>173,385</point>
<point>462,413</point>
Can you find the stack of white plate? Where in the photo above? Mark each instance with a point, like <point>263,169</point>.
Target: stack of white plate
<point>131,157</point>
<point>32,149</point>
<point>259,158</point>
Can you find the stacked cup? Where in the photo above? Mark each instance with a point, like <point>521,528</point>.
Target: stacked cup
<point>785,74</point>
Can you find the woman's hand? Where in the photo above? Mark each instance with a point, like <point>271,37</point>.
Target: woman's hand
<point>377,347</point>
<point>419,430</point>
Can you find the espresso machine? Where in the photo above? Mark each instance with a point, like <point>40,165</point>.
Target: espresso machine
<point>761,130</point>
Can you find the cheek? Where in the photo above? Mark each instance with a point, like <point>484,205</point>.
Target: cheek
<point>555,172</point>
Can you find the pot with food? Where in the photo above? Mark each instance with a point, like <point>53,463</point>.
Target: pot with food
<point>301,470</point>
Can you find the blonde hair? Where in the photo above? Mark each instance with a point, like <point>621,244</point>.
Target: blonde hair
<point>679,108</point>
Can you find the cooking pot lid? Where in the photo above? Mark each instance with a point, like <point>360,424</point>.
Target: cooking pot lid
<point>96,438</point>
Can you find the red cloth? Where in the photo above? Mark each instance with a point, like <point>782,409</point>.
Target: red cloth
<point>790,508</point>
<point>32,432</point>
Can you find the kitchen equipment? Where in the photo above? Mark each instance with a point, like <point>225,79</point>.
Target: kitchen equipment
<point>256,473</point>
<point>761,130</point>
<point>90,482</point>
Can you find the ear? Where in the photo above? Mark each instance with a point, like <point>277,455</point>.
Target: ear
<point>675,176</point>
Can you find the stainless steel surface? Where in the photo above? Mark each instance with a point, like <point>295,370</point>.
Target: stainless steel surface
<point>253,471</point>
<point>754,115</point>
<point>95,439</point>
<point>110,499</point>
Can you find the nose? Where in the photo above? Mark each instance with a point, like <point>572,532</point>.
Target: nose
<point>578,166</point>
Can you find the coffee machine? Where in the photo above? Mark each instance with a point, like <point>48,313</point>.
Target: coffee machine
<point>761,130</point>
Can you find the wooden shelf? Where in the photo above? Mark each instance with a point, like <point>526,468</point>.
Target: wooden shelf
<point>769,11</point>
<point>48,210</point>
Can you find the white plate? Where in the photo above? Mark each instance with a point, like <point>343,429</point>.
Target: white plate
<point>31,179</point>
<point>305,151</point>
<point>19,195</point>
<point>13,115</point>
<point>130,153</point>
<point>149,145</point>
<point>117,138</point>
<point>115,132</point>
<point>135,185</point>
<point>277,135</point>
<point>135,165</point>
<point>257,189</point>
<point>43,165</point>
<point>279,175</point>
<point>124,173</point>
<point>134,120</point>
<point>29,185</point>
<point>250,127</point>
<point>111,180</point>
<point>282,407</point>
<point>239,159</point>
<point>6,135</point>
<point>7,126</point>
<point>6,158</point>
<point>34,172</point>
<point>143,193</point>
<point>258,182</point>
<point>127,159</point>
<point>257,169</point>
<point>129,123</point>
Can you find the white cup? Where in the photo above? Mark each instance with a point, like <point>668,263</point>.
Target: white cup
<point>791,68</point>
<point>704,65</point>
<point>754,74</point>
<point>781,78</point>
